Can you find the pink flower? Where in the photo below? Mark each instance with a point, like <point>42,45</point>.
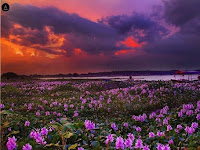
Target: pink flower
<point>44,131</point>
<point>119,143</point>
<point>151,135</point>
<point>194,125</point>
<point>159,146</point>
<point>177,130</point>
<point>146,147</point>
<point>171,141</point>
<point>38,137</point>
<point>131,136</point>
<point>189,130</point>
<point>138,143</point>
<point>109,139</point>
<point>27,147</point>
<point>179,127</point>
<point>138,129</point>
<point>80,148</point>
<point>89,125</point>
<point>27,123</point>
<point>198,117</point>
<point>37,113</point>
<point>159,133</point>
<point>165,121</point>
<point>47,113</point>
<point>128,143</point>
<point>11,144</point>
<point>71,106</point>
<point>152,115</point>
<point>2,106</point>
<point>75,114</point>
<point>113,125</point>
<point>163,147</point>
<point>180,114</point>
<point>166,147</point>
<point>169,127</point>
<point>32,134</point>
<point>189,112</point>
<point>198,104</point>
<point>126,125</point>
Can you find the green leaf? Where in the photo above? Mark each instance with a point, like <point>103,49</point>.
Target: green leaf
<point>73,146</point>
<point>57,126</point>
<point>95,144</point>
<point>52,144</point>
<point>63,120</point>
<point>68,135</point>
<point>6,112</point>
<point>6,124</point>
<point>13,132</point>
<point>69,126</point>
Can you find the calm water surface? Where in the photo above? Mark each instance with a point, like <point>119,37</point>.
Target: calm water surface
<point>148,78</point>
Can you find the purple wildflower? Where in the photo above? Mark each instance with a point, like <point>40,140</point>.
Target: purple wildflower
<point>44,131</point>
<point>151,135</point>
<point>113,125</point>
<point>189,130</point>
<point>131,136</point>
<point>126,125</point>
<point>171,141</point>
<point>11,144</point>
<point>198,117</point>
<point>169,127</point>
<point>128,143</point>
<point>37,113</point>
<point>27,147</point>
<point>89,125</point>
<point>146,147</point>
<point>109,139</point>
<point>119,143</point>
<point>138,143</point>
<point>138,129</point>
<point>179,127</point>
<point>27,123</point>
<point>194,125</point>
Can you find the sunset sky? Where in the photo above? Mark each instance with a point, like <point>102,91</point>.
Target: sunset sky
<point>67,36</point>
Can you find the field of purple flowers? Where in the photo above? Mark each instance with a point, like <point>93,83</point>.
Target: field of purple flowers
<point>61,115</point>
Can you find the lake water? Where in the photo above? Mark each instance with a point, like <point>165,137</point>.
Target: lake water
<point>123,78</point>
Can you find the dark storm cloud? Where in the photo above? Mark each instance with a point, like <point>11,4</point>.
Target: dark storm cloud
<point>30,37</point>
<point>80,33</point>
<point>183,47</point>
<point>179,12</point>
<point>125,24</point>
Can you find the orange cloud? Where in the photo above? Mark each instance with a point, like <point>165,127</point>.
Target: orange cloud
<point>131,42</point>
<point>121,52</point>
<point>54,40</point>
<point>78,52</point>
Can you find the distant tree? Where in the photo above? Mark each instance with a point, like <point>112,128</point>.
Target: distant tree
<point>75,74</point>
<point>9,75</point>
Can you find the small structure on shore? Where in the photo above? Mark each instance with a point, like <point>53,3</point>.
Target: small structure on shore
<point>179,72</point>
<point>130,77</point>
